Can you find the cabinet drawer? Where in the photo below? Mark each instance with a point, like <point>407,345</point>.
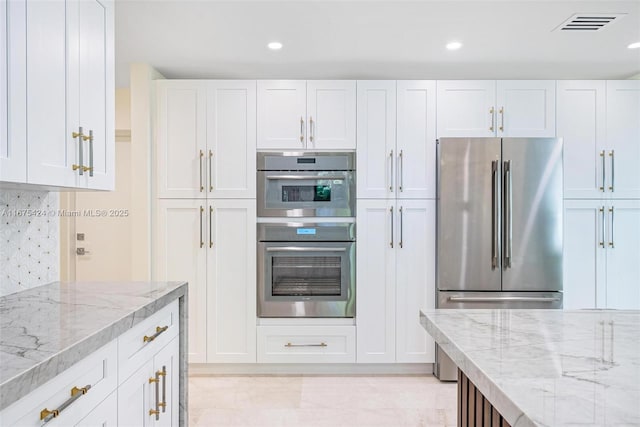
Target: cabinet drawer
<point>134,349</point>
<point>306,344</point>
<point>99,370</point>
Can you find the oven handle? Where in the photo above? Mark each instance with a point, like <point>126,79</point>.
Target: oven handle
<point>304,249</point>
<point>307,177</point>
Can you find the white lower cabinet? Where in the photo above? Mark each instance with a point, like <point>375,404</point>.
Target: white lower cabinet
<point>306,344</point>
<point>395,280</point>
<point>212,245</point>
<point>150,395</point>
<point>601,247</point>
<point>104,415</point>
<point>88,383</point>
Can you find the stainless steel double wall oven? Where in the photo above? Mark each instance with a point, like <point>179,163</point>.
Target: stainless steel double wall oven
<point>306,234</point>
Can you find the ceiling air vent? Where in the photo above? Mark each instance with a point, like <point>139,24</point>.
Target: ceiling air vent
<point>589,22</point>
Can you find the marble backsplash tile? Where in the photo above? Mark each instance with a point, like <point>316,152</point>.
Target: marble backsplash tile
<point>29,239</point>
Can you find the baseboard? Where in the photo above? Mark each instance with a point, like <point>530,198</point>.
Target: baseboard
<point>196,369</point>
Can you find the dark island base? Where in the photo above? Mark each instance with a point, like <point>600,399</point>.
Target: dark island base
<point>474,410</point>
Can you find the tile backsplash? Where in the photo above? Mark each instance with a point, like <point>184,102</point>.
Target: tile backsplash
<point>29,239</point>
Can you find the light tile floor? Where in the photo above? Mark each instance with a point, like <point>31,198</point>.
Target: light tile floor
<point>313,401</point>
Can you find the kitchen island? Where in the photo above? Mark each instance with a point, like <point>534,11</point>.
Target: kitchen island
<point>543,367</point>
<point>48,331</point>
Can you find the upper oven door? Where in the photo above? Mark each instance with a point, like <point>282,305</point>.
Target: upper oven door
<point>306,194</point>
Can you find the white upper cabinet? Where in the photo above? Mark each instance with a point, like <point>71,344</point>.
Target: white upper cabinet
<point>376,139</point>
<point>306,115</point>
<point>622,162</point>
<point>52,150</point>
<point>206,139</point>
<point>231,139</point>
<point>403,167</point>
<point>485,108</point>
<point>68,103</point>
<point>181,140</point>
<point>13,127</point>
<point>600,124</point>
<point>416,143</point>
<point>466,108</point>
<point>582,126</point>
<point>526,108</point>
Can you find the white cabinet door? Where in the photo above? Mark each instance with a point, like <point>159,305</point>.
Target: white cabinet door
<point>135,397</point>
<point>231,139</point>
<point>584,254</point>
<point>281,114</point>
<point>51,147</point>
<point>181,255</point>
<point>581,124</point>
<point>166,365</point>
<point>526,108</point>
<point>103,415</point>
<point>623,254</point>
<point>182,140</point>
<point>376,139</point>
<point>416,145</point>
<point>231,280</point>
<point>13,91</point>
<point>466,108</point>
<point>95,91</point>
<point>415,279</point>
<point>331,111</point>
<point>623,139</point>
<point>376,290</point>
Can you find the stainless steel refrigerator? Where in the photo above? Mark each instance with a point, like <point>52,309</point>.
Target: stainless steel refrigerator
<point>499,226</point>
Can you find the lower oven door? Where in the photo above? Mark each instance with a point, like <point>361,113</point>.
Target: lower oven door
<point>306,279</point>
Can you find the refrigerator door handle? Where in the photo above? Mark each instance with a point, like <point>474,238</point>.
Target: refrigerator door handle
<point>507,197</point>
<point>495,190</point>
<point>503,299</point>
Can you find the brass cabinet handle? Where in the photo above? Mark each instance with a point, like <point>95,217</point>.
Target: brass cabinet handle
<point>322,344</point>
<point>611,244</point>
<point>159,330</point>
<point>391,212</point>
<point>210,226</point>
<point>312,131</point>
<point>400,242</point>
<point>501,119</point>
<point>613,174</point>
<point>400,171</point>
<point>602,226</point>
<point>201,158</point>
<point>391,171</point>
<point>491,111</point>
<point>90,152</point>
<point>47,415</point>
<point>301,129</point>
<point>201,239</point>
<point>156,381</point>
<point>163,374</point>
<point>80,136</point>
<point>603,171</point>
<point>210,171</point>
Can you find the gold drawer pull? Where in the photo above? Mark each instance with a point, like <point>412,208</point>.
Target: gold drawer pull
<point>159,330</point>
<point>322,344</point>
<point>47,415</point>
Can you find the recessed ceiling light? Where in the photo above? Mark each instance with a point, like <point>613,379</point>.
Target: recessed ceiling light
<point>275,45</point>
<point>454,45</point>
<point>635,45</point>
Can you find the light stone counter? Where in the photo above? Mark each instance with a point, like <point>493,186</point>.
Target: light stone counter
<point>547,367</point>
<point>47,329</point>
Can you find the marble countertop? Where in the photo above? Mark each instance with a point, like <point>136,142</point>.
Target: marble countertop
<point>47,329</point>
<point>547,367</point>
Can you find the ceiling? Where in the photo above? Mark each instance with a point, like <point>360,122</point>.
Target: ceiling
<point>393,39</point>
